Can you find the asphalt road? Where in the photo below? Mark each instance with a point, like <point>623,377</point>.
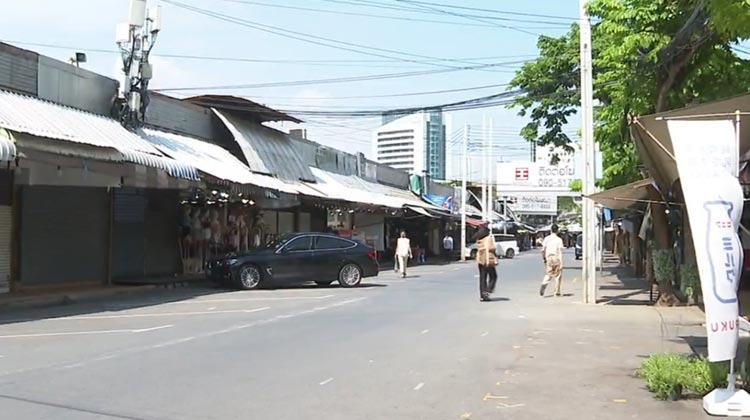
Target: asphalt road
<point>419,348</point>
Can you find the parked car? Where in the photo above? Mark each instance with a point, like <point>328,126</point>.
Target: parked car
<point>298,258</point>
<point>579,247</point>
<point>505,246</point>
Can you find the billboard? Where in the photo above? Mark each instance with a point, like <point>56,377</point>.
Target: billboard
<point>533,175</point>
<point>534,204</point>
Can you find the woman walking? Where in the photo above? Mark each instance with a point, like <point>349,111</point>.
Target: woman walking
<point>486,260</point>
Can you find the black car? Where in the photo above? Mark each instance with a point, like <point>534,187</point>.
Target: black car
<point>579,247</point>
<point>298,258</point>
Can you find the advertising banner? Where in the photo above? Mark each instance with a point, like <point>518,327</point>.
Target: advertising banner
<point>444,201</point>
<point>707,161</point>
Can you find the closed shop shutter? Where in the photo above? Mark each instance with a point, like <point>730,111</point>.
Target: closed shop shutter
<point>64,235</point>
<point>162,219</point>
<point>5,234</point>
<point>128,244</point>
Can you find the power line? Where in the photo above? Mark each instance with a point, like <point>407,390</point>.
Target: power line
<point>329,80</point>
<point>500,25</point>
<point>392,95</point>
<point>375,16</point>
<point>496,11</point>
<point>322,41</point>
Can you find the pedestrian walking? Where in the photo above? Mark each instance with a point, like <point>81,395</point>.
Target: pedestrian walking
<point>486,260</point>
<point>403,253</point>
<point>552,251</point>
<point>448,246</point>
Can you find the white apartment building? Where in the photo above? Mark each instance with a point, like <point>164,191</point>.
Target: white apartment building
<point>413,143</point>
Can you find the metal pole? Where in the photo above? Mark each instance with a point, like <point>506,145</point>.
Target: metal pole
<point>485,212</point>
<point>490,166</point>
<point>737,141</point>
<point>587,130</point>
<point>505,214</point>
<point>464,170</point>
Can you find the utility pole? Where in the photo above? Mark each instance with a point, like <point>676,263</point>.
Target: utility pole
<point>587,138</point>
<point>136,38</point>
<point>484,168</point>
<point>491,165</point>
<point>464,173</point>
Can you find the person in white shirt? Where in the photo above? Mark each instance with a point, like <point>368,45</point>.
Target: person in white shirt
<point>552,251</point>
<point>448,245</point>
<point>403,253</point>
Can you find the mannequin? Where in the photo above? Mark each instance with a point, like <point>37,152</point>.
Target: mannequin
<point>206,239</point>
<point>233,233</point>
<point>186,240</point>
<point>215,233</point>
<point>242,233</point>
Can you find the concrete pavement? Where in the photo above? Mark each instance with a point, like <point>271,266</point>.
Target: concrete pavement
<point>419,348</point>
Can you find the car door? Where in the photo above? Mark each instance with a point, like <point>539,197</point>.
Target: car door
<point>330,255</point>
<point>294,260</point>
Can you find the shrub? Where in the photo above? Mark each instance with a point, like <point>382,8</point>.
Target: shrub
<point>668,375</point>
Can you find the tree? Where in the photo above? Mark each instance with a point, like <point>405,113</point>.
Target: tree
<point>649,56</point>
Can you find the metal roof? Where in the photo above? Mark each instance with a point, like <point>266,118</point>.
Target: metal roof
<point>267,151</point>
<point>245,106</point>
<point>357,190</point>
<point>211,159</point>
<point>28,115</point>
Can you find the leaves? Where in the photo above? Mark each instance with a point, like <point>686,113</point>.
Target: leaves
<point>646,53</point>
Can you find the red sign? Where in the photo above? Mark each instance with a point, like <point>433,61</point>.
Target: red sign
<point>522,174</point>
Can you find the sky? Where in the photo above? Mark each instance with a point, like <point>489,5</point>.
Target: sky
<point>389,39</point>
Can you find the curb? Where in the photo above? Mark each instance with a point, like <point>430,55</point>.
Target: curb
<point>69,298</point>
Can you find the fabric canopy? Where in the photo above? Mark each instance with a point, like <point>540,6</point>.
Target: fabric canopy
<point>624,196</point>
<point>654,143</point>
<point>474,222</point>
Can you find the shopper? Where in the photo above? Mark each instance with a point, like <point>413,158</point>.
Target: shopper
<point>486,261</point>
<point>552,252</point>
<point>448,246</point>
<point>403,253</point>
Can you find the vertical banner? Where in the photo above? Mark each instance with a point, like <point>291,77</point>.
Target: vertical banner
<point>707,162</point>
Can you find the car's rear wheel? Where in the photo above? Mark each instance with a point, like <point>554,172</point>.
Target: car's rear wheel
<point>249,277</point>
<point>350,275</point>
<point>510,253</point>
<point>323,283</point>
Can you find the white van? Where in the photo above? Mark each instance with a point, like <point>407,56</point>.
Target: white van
<point>506,246</point>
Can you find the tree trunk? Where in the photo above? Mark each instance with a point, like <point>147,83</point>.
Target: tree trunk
<point>663,253</point>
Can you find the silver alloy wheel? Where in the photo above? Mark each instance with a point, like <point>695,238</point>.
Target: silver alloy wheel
<point>350,275</point>
<point>249,277</point>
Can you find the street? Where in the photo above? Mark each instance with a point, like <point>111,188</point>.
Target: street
<point>419,348</point>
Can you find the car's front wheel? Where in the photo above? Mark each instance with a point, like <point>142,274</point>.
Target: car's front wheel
<point>249,277</point>
<point>350,275</point>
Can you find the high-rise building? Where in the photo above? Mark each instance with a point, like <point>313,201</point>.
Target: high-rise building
<point>414,143</point>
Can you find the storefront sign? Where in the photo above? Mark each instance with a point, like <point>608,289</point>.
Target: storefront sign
<point>443,201</point>
<point>707,159</point>
<point>532,204</point>
<point>536,175</point>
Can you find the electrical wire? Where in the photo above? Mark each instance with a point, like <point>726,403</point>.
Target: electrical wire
<point>329,80</point>
<point>323,41</point>
<point>553,25</point>
<point>477,19</point>
<point>495,11</point>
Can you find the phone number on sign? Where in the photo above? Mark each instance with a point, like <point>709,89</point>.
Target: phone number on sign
<point>555,182</point>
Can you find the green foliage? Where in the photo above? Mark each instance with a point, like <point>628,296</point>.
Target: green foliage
<point>576,185</point>
<point>669,375</point>
<point>664,266</point>
<point>647,54</point>
<point>567,205</point>
<point>690,281</point>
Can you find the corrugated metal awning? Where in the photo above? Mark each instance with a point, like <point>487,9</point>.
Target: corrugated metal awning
<point>28,115</point>
<point>211,159</point>
<point>266,150</point>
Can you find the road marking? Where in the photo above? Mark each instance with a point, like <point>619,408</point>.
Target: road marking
<point>620,401</point>
<point>425,331</point>
<point>188,302</point>
<point>591,331</point>
<point>419,386</point>
<point>213,308</point>
<point>493,397</point>
<point>327,381</point>
<point>503,405</point>
<point>521,316</point>
<point>57,334</point>
<point>466,416</point>
<point>236,311</point>
<point>484,334</point>
<point>516,347</point>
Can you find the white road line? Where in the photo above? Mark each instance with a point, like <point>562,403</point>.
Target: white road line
<point>425,331</point>
<point>213,308</point>
<point>484,334</point>
<point>191,302</point>
<point>327,381</point>
<point>83,332</point>
<point>236,311</point>
<point>419,386</point>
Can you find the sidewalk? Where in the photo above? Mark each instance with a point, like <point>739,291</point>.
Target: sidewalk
<point>578,361</point>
